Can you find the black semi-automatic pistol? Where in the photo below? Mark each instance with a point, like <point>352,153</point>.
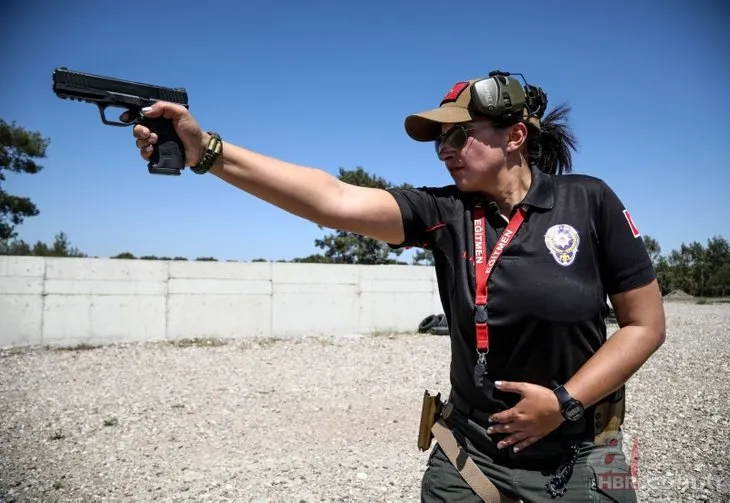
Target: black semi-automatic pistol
<point>168,156</point>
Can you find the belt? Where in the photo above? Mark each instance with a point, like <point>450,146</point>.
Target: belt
<point>466,409</point>
<point>466,466</point>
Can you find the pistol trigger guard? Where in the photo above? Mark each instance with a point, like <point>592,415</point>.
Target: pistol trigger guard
<point>130,111</point>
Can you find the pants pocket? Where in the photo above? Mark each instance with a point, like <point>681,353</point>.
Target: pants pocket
<point>611,484</point>
<point>442,483</point>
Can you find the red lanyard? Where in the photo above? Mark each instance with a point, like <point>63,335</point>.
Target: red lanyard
<point>484,269</point>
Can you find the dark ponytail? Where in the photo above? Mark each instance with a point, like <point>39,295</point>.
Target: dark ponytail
<point>550,148</point>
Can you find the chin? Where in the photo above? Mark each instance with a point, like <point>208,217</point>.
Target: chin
<point>463,184</point>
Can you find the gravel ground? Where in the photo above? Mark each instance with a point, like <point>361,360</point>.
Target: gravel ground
<point>312,419</point>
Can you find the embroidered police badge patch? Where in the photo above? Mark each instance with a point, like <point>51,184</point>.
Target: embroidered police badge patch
<point>562,240</point>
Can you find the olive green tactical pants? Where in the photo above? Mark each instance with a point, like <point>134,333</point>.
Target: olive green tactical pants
<point>600,473</point>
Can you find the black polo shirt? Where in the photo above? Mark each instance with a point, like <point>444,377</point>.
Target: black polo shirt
<point>547,293</point>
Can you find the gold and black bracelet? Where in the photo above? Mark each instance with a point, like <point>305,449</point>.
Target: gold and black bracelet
<point>212,151</point>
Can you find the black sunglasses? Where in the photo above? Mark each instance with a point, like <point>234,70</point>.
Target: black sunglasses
<point>455,136</point>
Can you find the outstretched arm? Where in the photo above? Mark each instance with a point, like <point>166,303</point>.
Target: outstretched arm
<point>307,192</point>
<point>312,193</point>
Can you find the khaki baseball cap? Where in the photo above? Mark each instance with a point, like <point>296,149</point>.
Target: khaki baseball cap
<point>454,107</point>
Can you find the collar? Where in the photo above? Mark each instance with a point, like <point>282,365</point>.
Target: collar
<point>541,193</point>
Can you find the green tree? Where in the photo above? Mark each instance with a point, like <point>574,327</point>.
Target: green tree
<point>125,255</point>
<point>652,246</point>
<point>19,150</point>
<point>343,247</point>
<point>61,247</point>
<point>19,248</point>
<point>717,266</point>
<point>423,257</point>
<point>696,269</point>
<point>719,282</point>
<point>315,258</point>
<point>717,254</point>
<point>680,267</point>
<point>664,275</point>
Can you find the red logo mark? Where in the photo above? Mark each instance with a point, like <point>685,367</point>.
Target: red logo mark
<point>632,225</point>
<point>610,479</point>
<point>455,91</point>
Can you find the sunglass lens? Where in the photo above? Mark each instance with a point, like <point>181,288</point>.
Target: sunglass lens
<point>437,144</point>
<point>455,136</point>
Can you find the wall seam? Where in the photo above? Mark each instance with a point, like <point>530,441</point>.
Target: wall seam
<point>43,299</point>
<point>167,302</point>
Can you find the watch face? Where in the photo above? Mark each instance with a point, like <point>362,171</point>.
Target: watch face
<point>573,411</point>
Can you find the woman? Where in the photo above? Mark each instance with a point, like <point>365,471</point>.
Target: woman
<point>525,260</point>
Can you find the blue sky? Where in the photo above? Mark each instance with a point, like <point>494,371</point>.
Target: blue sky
<point>328,84</point>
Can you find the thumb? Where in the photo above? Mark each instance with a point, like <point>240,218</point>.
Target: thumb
<point>515,387</point>
<point>164,109</point>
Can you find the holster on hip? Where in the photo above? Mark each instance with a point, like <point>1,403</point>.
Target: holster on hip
<point>434,414</point>
<point>608,416</point>
<point>430,412</point>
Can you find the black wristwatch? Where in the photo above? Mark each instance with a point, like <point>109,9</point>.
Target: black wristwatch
<point>570,408</point>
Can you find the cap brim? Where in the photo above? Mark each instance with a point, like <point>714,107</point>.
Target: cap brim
<point>426,126</point>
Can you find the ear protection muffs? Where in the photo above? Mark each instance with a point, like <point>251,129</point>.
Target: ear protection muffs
<point>501,95</point>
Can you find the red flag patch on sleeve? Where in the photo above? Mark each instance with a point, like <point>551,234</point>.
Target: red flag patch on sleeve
<point>632,225</point>
<point>454,92</point>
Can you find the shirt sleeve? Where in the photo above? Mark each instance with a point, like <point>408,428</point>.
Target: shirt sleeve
<point>423,210</point>
<point>625,261</point>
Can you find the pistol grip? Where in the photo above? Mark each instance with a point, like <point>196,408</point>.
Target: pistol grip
<point>168,155</point>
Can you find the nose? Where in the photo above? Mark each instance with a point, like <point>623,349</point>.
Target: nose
<point>447,154</point>
<point>445,151</point>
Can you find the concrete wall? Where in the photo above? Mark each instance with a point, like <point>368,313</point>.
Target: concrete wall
<point>68,301</point>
